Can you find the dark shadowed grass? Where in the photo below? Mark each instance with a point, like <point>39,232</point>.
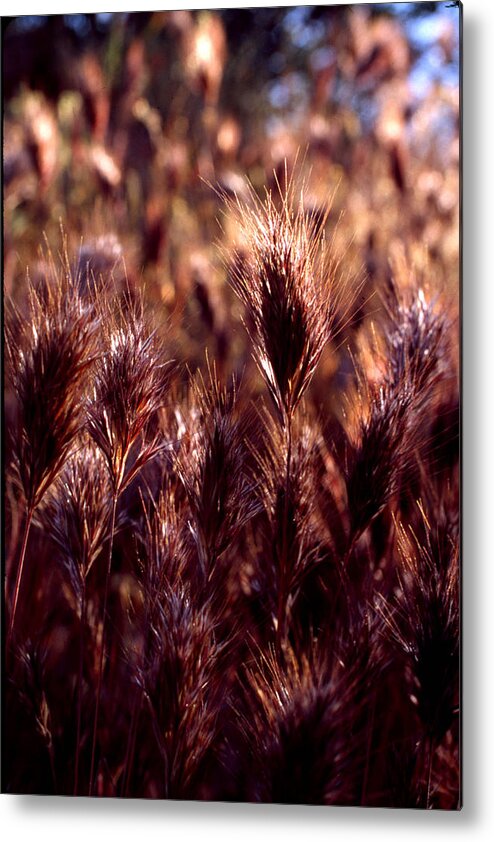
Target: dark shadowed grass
<point>423,622</point>
<point>212,465</point>
<point>230,596</point>
<point>301,729</point>
<point>77,517</point>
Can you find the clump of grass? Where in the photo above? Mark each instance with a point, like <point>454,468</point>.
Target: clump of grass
<point>423,622</point>
<point>77,517</point>
<point>131,384</point>
<point>184,678</point>
<point>292,289</point>
<point>390,412</point>
<point>300,730</point>
<point>236,585</point>
<point>49,355</point>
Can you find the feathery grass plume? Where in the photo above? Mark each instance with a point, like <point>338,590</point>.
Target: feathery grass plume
<point>292,290</point>
<point>432,590</point>
<point>131,384</point>
<point>76,513</point>
<point>444,450</point>
<point>290,539</point>
<point>389,411</point>
<point>323,598</point>
<point>416,343</point>
<point>163,561</point>
<point>423,623</point>
<point>185,679</point>
<point>301,742</point>
<point>434,521</point>
<point>378,459</point>
<point>77,517</point>
<point>290,287</point>
<point>49,354</point>
<point>30,686</point>
<point>212,465</point>
<point>357,637</point>
<point>164,556</point>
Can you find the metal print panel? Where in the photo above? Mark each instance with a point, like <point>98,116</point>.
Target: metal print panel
<point>231,490</point>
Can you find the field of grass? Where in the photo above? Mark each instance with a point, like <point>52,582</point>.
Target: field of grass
<point>231,404</point>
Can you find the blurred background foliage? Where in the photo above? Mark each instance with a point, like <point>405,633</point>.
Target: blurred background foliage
<point>119,126</point>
